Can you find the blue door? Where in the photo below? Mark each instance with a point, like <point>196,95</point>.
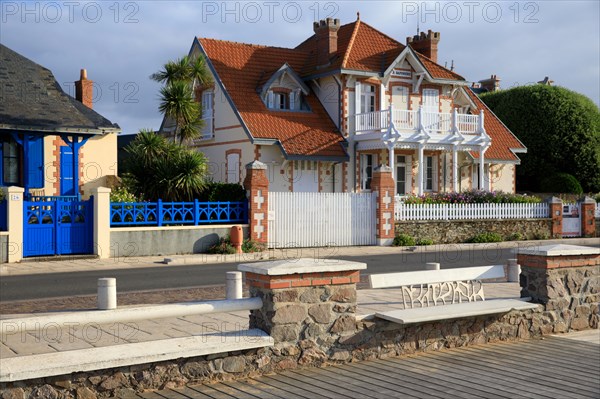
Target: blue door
<point>57,227</point>
<point>66,171</point>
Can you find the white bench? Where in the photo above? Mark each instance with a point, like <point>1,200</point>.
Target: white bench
<point>432,295</point>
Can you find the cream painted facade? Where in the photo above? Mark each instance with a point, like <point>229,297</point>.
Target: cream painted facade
<point>98,164</point>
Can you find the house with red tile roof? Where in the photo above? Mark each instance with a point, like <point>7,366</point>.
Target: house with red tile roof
<point>324,114</point>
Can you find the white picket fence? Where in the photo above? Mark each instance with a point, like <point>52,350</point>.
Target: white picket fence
<point>470,211</point>
<point>300,220</point>
<point>597,211</point>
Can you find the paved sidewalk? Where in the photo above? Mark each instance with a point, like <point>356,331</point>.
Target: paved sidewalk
<point>51,339</point>
<point>74,264</point>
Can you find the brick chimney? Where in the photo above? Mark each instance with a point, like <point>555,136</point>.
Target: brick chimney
<point>425,43</point>
<point>84,90</point>
<point>491,84</point>
<point>326,32</point>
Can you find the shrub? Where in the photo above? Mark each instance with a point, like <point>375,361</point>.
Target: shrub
<point>486,237</point>
<point>516,237</point>
<point>122,194</point>
<point>250,246</point>
<point>404,240</point>
<point>224,247</point>
<point>424,241</point>
<point>471,197</point>
<point>541,236</point>
<point>561,183</point>
<point>597,198</point>
<point>215,191</point>
<point>1,194</point>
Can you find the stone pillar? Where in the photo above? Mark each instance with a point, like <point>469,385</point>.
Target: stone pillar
<point>566,280</point>
<point>383,185</point>
<point>305,302</point>
<point>587,208</point>
<point>556,214</point>
<point>101,222</point>
<point>256,184</point>
<point>14,217</point>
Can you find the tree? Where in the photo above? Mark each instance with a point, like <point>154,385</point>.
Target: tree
<point>559,127</point>
<point>160,169</point>
<point>182,78</point>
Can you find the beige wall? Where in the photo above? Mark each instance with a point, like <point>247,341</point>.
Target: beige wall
<point>328,94</point>
<point>98,162</point>
<point>502,177</point>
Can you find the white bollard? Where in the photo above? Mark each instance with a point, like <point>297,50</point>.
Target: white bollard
<point>432,266</point>
<point>514,270</point>
<point>107,293</point>
<point>233,287</point>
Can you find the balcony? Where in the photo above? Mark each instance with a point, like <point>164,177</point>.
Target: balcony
<point>417,125</point>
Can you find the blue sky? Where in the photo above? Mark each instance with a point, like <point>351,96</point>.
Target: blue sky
<point>122,43</point>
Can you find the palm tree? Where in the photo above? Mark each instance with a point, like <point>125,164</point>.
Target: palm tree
<point>177,101</point>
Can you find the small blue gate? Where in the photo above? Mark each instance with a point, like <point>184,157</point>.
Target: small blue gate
<point>58,226</point>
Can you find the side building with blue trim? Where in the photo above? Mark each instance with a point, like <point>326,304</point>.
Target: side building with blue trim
<point>51,143</point>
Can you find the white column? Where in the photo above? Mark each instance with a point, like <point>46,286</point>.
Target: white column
<point>14,198</point>
<point>356,106</point>
<point>107,293</point>
<point>391,161</point>
<point>101,222</point>
<point>420,170</point>
<point>455,176</point>
<point>481,168</point>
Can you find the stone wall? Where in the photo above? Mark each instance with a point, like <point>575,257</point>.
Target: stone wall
<point>597,227</point>
<point>456,231</point>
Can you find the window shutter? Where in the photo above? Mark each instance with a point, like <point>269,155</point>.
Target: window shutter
<point>270,99</point>
<point>357,93</point>
<point>35,162</point>
<point>435,174</point>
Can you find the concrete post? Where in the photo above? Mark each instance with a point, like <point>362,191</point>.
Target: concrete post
<point>233,287</point>
<point>513,270</point>
<point>566,280</point>
<point>556,214</point>
<point>383,185</point>
<point>14,216</point>
<point>257,191</point>
<point>101,222</point>
<point>432,266</point>
<point>588,219</point>
<point>107,293</point>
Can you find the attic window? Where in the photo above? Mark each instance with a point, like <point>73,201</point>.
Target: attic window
<point>286,100</point>
<point>281,100</point>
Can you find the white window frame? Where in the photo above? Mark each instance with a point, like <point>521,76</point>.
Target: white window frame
<point>233,168</point>
<point>208,115</point>
<point>367,99</point>
<point>367,164</point>
<point>402,162</point>
<point>430,173</point>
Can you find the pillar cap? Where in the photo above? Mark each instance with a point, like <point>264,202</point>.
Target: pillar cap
<point>554,200</point>
<point>301,266</point>
<point>383,168</point>
<point>256,165</point>
<point>99,190</point>
<point>559,250</point>
<point>15,189</point>
<point>587,200</point>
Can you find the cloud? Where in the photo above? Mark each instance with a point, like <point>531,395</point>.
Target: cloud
<point>122,43</point>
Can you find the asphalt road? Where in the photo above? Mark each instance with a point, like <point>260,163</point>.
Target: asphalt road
<point>40,286</point>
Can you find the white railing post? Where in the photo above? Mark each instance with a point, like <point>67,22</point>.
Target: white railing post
<point>233,287</point>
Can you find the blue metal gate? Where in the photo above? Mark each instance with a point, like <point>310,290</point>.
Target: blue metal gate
<point>58,226</point>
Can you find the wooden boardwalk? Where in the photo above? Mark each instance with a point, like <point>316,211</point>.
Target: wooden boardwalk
<point>556,367</point>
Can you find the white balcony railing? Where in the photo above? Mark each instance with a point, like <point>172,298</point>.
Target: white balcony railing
<point>414,120</point>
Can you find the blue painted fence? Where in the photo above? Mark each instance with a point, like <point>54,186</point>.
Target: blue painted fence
<point>177,213</point>
<point>3,216</point>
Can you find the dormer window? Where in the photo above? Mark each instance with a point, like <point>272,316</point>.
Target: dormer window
<point>281,100</point>
<point>286,100</point>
